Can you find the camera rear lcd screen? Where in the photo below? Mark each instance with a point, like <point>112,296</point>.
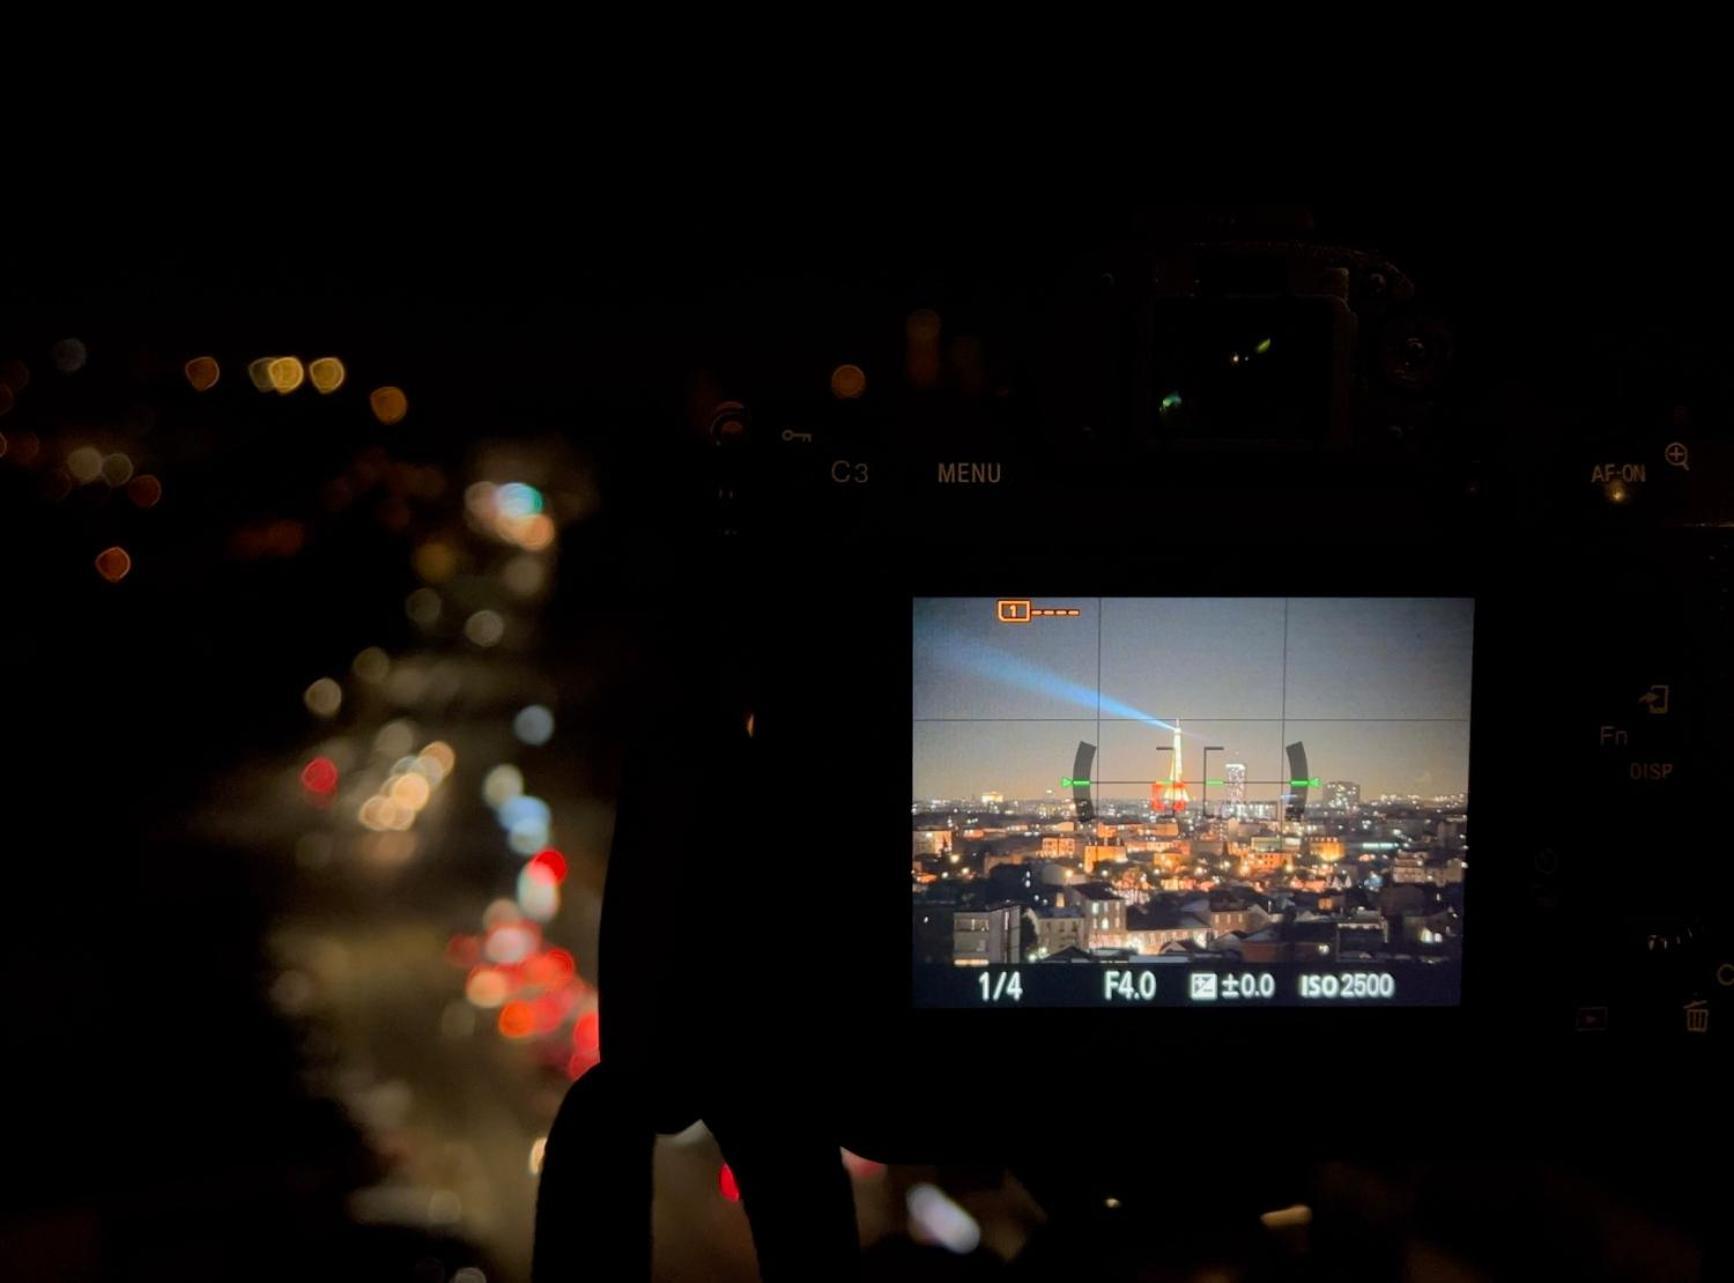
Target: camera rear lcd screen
<point>1189,801</point>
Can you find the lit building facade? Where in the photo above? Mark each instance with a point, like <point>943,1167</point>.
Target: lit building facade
<point>1102,852</point>
<point>983,936</point>
<point>1058,929</point>
<point>1234,779</point>
<point>1342,795</point>
<point>1325,850</point>
<point>932,841</point>
<point>1104,910</point>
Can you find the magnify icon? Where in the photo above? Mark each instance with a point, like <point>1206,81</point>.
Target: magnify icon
<point>1676,455</point>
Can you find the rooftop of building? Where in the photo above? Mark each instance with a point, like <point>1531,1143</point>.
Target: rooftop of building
<point>1071,953</point>
<point>1094,891</point>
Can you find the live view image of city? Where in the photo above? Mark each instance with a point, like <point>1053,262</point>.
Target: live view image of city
<point>1203,802</point>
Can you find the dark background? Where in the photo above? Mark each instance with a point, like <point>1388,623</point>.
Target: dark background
<point>161,1118</point>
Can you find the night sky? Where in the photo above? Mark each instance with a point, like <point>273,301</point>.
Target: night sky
<point>1377,689</point>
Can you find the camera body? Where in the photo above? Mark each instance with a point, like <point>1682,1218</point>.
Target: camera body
<point>1090,434</point>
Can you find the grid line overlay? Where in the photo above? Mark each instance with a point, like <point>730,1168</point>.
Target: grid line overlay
<point>1283,795</point>
<point>1158,718</point>
<point>1098,769</point>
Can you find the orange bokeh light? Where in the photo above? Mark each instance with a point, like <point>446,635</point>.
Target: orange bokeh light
<point>536,532</point>
<point>203,373</point>
<point>327,373</point>
<point>561,963</point>
<point>145,490</point>
<point>114,564</point>
<point>517,1019</point>
<point>848,382</point>
<point>389,404</point>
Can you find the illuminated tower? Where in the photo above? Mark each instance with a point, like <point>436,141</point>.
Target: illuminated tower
<point>1170,794</point>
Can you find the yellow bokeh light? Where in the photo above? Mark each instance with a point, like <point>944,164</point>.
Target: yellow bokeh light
<point>411,791</point>
<point>485,628</point>
<point>203,373</point>
<point>286,374</point>
<point>848,382</point>
<point>84,463</point>
<point>423,606</point>
<point>372,665</point>
<point>479,499</point>
<point>390,848</point>
<point>327,373</point>
<point>502,784</point>
<point>381,813</point>
<point>323,698</point>
<point>260,372</point>
<point>389,404</point>
<point>442,753</point>
<point>525,575</point>
<point>536,533</point>
<point>373,814</point>
<point>436,562</point>
<point>487,987</point>
<point>394,738</point>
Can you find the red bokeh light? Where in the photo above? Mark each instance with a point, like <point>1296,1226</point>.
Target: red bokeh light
<point>464,951</point>
<point>587,1034</point>
<point>553,969</point>
<point>145,490</point>
<point>517,1019</point>
<point>726,1184</point>
<point>562,964</point>
<point>553,861</point>
<point>319,777</point>
<point>548,1012</point>
<point>579,1065</point>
